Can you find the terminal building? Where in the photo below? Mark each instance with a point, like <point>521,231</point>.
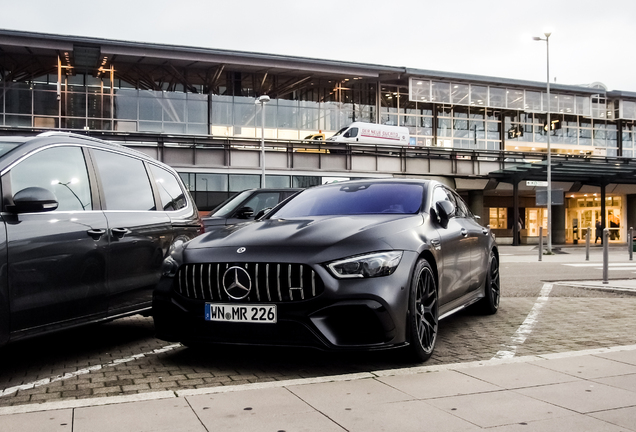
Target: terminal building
<point>197,110</point>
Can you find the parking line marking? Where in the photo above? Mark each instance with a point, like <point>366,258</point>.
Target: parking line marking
<point>66,376</point>
<point>527,326</point>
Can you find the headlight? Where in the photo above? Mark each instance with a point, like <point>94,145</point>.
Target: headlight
<point>363,266</point>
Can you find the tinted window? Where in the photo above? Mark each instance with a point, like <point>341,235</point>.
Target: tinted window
<point>262,200</point>
<point>62,170</point>
<point>124,181</point>
<point>360,198</point>
<point>172,197</point>
<point>442,194</point>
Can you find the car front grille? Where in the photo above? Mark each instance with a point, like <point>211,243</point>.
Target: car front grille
<point>270,282</point>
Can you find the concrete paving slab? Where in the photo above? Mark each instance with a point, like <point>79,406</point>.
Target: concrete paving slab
<point>625,382</point>
<point>148,416</point>
<point>588,367</point>
<point>438,384</point>
<point>274,409</point>
<point>301,422</point>
<point>498,408</point>
<point>582,396</point>
<point>575,422</point>
<point>335,396</point>
<point>407,416</point>
<point>249,402</point>
<point>621,356</point>
<point>623,417</point>
<point>53,421</point>
<point>518,375</point>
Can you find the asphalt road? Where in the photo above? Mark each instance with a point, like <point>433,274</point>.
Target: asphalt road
<point>536,316</point>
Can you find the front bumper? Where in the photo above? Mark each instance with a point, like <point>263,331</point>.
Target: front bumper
<point>349,314</point>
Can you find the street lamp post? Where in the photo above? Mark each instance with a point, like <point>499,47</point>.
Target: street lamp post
<point>549,125</point>
<point>262,100</point>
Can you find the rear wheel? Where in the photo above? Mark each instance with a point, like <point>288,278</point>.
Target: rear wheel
<point>422,318</point>
<point>492,290</point>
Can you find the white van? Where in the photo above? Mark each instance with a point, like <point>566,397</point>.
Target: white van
<point>371,133</point>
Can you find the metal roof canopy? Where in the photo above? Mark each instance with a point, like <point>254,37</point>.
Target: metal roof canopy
<point>597,172</point>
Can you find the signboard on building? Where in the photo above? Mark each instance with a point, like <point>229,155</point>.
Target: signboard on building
<point>536,183</point>
<point>557,197</point>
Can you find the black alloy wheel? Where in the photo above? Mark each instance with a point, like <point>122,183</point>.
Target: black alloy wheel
<point>423,316</point>
<point>492,289</point>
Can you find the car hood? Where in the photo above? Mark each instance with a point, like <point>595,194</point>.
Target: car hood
<point>296,238</point>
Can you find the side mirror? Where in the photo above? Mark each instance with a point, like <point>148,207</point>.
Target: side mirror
<point>245,213</point>
<point>33,200</point>
<point>444,210</point>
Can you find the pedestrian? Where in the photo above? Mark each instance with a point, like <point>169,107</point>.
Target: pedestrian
<point>599,231</point>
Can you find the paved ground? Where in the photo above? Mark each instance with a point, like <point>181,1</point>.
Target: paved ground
<point>538,316</point>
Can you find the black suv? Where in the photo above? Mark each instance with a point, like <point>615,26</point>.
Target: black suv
<point>87,225</point>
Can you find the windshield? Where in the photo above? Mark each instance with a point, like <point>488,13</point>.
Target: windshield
<point>229,205</point>
<point>354,199</point>
<point>340,132</point>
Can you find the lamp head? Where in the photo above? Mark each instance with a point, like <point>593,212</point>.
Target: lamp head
<point>262,99</point>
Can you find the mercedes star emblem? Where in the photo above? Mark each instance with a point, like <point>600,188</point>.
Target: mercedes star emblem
<point>237,283</point>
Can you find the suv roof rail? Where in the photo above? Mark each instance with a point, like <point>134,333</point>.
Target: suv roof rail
<point>74,135</point>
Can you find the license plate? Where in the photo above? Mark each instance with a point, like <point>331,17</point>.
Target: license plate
<point>254,313</point>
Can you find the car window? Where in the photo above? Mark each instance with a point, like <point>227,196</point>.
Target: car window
<point>172,197</point>
<point>62,170</point>
<point>125,182</point>
<point>443,194</point>
<point>463,210</point>
<point>358,198</point>
<point>262,200</point>
<point>227,207</point>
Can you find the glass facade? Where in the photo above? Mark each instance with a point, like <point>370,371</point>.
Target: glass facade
<point>440,113</point>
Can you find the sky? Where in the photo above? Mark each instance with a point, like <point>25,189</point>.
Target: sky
<point>590,41</point>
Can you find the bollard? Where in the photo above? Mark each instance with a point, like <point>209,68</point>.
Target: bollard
<point>587,245</point>
<point>540,243</point>
<point>605,253</point>
<point>630,243</point>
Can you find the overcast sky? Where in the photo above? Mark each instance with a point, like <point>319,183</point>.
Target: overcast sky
<point>591,41</point>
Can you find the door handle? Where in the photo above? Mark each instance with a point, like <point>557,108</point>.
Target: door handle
<point>96,234</point>
<point>485,231</point>
<point>464,232</point>
<point>120,232</point>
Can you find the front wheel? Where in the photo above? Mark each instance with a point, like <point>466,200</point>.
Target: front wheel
<point>422,316</point>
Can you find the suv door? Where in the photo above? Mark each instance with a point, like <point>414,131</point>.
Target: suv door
<point>56,259</point>
<point>139,234</point>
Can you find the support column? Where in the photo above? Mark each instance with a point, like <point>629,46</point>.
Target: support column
<point>476,204</point>
<point>515,212</point>
<point>603,199</point>
<point>558,224</point>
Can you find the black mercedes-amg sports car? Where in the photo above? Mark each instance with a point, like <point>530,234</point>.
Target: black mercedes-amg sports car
<point>365,264</point>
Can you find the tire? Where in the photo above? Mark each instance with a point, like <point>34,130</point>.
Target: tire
<point>422,316</point>
<point>492,288</point>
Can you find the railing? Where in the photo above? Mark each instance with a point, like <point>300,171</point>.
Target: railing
<point>324,148</point>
